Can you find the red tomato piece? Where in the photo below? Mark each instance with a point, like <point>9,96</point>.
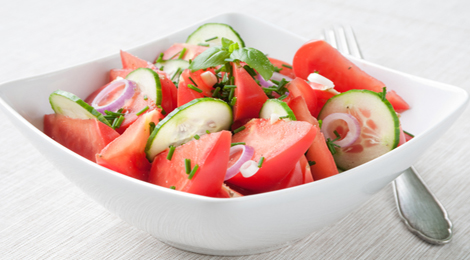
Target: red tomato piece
<point>210,152</point>
<point>322,96</point>
<point>408,136</point>
<point>114,73</point>
<point>318,55</point>
<point>300,88</point>
<point>126,154</point>
<point>186,94</point>
<point>169,91</point>
<point>281,143</point>
<point>285,70</point>
<point>86,137</point>
<point>250,97</point>
<point>132,62</point>
<point>318,152</point>
<point>398,103</point>
<point>299,175</point>
<point>192,51</point>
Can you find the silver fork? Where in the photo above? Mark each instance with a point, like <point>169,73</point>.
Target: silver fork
<point>420,210</point>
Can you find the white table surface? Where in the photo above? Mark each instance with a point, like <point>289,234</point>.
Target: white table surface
<point>43,216</point>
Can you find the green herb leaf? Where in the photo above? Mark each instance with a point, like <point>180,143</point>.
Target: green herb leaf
<point>256,60</point>
<point>211,57</point>
<point>226,43</point>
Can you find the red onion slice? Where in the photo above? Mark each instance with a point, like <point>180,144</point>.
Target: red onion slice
<point>353,126</point>
<point>279,77</point>
<point>127,93</point>
<point>264,83</point>
<point>247,153</point>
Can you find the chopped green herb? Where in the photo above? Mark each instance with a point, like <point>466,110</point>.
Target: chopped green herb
<point>170,153</point>
<point>111,113</point>
<point>282,97</point>
<point>320,122</point>
<point>187,165</point>
<point>176,54</point>
<point>383,94</point>
<point>310,163</point>
<point>283,117</point>
<point>230,95</point>
<point>178,71</point>
<point>151,126</point>
<point>203,44</point>
<point>239,143</point>
<point>197,137</point>
<point>193,171</point>
<point>191,86</point>
<point>277,69</point>
<point>160,58</point>
<point>142,111</point>
<point>241,128</point>
<point>331,145</point>
<point>193,81</point>
<point>260,163</point>
<point>287,66</point>
<point>250,70</point>
<point>117,122</point>
<point>173,187</point>
<point>161,68</point>
<point>230,86</point>
<point>162,110</point>
<point>145,97</point>
<point>233,101</point>
<point>216,92</point>
<point>208,132</point>
<point>408,133</point>
<point>210,39</point>
<point>182,53</point>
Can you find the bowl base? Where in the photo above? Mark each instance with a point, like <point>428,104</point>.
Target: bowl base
<point>237,252</point>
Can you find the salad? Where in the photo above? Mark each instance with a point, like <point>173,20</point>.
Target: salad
<point>214,117</point>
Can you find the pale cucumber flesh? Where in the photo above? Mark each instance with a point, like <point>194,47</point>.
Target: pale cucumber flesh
<point>379,126</point>
<point>182,124</point>
<point>211,30</point>
<point>148,82</point>
<point>276,107</point>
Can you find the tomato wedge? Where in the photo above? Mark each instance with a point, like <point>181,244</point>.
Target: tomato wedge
<point>210,153</point>
<point>250,97</point>
<point>126,154</point>
<point>323,163</point>
<point>86,137</point>
<point>286,68</point>
<point>300,88</point>
<point>281,143</point>
<point>186,94</point>
<point>318,55</point>
<point>169,91</point>
<point>191,51</point>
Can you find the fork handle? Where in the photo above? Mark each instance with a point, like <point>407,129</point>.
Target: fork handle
<point>421,211</point>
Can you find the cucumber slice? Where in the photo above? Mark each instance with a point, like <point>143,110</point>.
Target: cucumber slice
<point>148,82</point>
<point>210,30</point>
<point>67,104</point>
<point>277,108</point>
<point>380,127</point>
<point>173,67</point>
<point>188,120</point>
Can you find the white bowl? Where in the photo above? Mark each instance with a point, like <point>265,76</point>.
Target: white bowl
<point>245,225</point>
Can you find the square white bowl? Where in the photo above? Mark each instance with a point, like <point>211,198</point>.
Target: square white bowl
<point>239,226</point>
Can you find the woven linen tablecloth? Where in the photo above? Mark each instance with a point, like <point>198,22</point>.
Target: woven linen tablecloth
<point>44,216</point>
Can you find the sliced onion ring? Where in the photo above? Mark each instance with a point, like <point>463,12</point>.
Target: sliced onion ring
<point>279,77</point>
<point>247,153</point>
<point>114,105</point>
<point>353,126</point>
<point>264,83</point>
